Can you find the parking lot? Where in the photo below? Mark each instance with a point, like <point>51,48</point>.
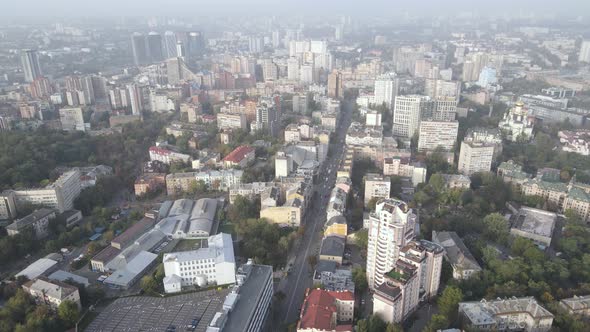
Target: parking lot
<point>175,313</point>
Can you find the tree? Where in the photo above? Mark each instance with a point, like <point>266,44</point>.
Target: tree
<point>437,322</point>
<point>437,182</point>
<point>68,312</point>
<point>496,227</point>
<point>312,260</point>
<point>372,203</point>
<point>448,302</point>
<point>149,284</point>
<point>361,238</point>
<point>359,276</point>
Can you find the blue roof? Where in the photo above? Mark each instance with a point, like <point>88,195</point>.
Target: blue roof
<point>95,237</point>
<point>99,229</point>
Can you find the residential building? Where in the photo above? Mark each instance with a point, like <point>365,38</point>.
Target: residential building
<point>398,295</point>
<point>391,227</point>
<point>360,135</point>
<point>231,121</point>
<point>517,124</point>
<point>409,110</point>
<point>149,182</point>
<point>7,205</point>
<point>373,118</point>
<point>386,89</point>
<point>213,264</point>
<point>376,186</point>
<point>511,172</point>
<point>575,141</point>
<point>335,85</point>
<point>336,226</point>
<point>462,261</point>
<point>214,180</point>
<point>242,156</point>
<point>38,221</point>
<point>427,257</point>
<point>289,214</point>
<point>72,119</point>
<point>59,195</point>
<point>30,65</point>
<point>52,292</point>
<point>168,156</point>
<point>402,166</point>
<point>534,224</point>
<point>435,135</point>
<point>453,181</point>
<point>577,305</point>
<point>332,249</point>
<point>326,311</point>
<point>247,190</point>
<point>479,148</point>
<point>584,55</point>
<point>513,314</point>
<point>437,88</point>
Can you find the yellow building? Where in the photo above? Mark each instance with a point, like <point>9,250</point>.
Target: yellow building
<point>336,226</point>
<point>283,215</point>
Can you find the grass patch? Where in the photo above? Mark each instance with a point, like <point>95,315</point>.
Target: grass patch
<point>189,244</point>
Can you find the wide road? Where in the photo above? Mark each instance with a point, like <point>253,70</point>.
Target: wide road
<point>300,277</point>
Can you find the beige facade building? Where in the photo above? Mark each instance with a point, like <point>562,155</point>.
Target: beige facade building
<point>376,186</point>
<point>437,134</point>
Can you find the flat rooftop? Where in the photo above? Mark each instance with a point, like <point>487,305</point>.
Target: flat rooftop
<point>534,221</point>
<point>142,313</point>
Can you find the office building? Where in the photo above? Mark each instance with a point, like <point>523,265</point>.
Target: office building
<point>38,221</point>
<point>398,295</point>
<point>335,84</point>
<point>213,264</point>
<point>434,135</point>
<point>154,47</point>
<point>59,195</point>
<point>52,292</point>
<point>462,261</point>
<point>30,64</point>
<point>376,186</point>
<point>140,49</point>
<point>479,148</point>
<point>386,89</point>
<point>324,310</point>
<point>391,227</point>
<point>72,119</point>
<point>513,314</point>
<point>487,77</point>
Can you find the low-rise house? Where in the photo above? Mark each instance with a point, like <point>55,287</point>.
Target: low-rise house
<point>332,249</point>
<point>462,261</point>
<point>453,181</point>
<point>534,224</point>
<point>326,311</point>
<point>242,156</point>
<point>149,182</point>
<point>52,292</point>
<point>577,305</point>
<point>38,221</point>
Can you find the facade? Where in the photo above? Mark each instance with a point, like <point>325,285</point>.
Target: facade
<point>177,183</point>
<point>479,148</point>
<point>405,168</point>
<point>231,121</point>
<point>7,205</point>
<point>38,221</point>
<point>410,110</point>
<point>436,88</point>
<point>437,134</point>
<point>514,314</point>
<point>211,265</point>
<point>517,124</point>
<point>398,296</point>
<point>391,227</point>
<point>584,55</point>
<point>72,119</point>
<point>52,292</point>
<point>336,226</point>
<point>427,257</point>
<point>59,195</point>
<point>575,141</point>
<point>462,261</point>
<point>30,64</point>
<point>335,85</point>
<point>386,89</point>
<point>453,181</point>
<point>326,311</point>
<point>376,186</point>
<point>149,182</point>
<point>167,156</point>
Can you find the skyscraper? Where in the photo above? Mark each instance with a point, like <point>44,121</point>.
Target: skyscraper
<point>154,45</point>
<point>391,226</point>
<point>386,89</point>
<point>584,52</point>
<point>195,44</point>
<point>31,67</point>
<point>170,43</point>
<point>139,47</point>
<point>136,98</point>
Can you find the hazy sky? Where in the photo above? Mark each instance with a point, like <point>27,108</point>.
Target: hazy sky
<point>252,7</point>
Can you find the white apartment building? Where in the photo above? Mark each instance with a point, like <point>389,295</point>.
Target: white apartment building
<point>376,186</point>
<point>211,265</point>
<point>167,156</point>
<point>72,119</point>
<point>411,109</point>
<point>435,134</point>
<point>398,296</point>
<point>373,118</point>
<point>513,314</point>
<point>478,150</point>
<point>427,257</point>
<point>59,195</point>
<point>391,226</point>
<point>436,88</point>
<point>216,180</point>
<point>386,89</point>
<point>584,52</point>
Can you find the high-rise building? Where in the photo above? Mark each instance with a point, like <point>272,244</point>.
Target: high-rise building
<point>154,46</point>
<point>386,89</point>
<point>266,116</point>
<point>436,88</point>
<point>195,45</point>
<point>437,135</point>
<point>293,69</point>
<point>140,49</point>
<point>487,76</point>
<point>137,98</point>
<point>478,150</point>
<point>398,296</point>
<point>82,85</point>
<point>170,42</point>
<point>270,71</point>
<point>30,63</point>
<point>427,257</point>
<point>255,44</point>
<point>180,50</point>
<point>391,227</point>
<point>335,84</point>
<point>411,109</point>
<point>584,52</point>
<point>306,74</point>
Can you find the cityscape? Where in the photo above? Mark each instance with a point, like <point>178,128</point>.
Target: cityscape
<point>294,166</point>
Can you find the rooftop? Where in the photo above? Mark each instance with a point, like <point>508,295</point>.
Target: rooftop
<point>332,246</point>
<point>51,288</point>
<point>30,219</point>
<point>238,154</point>
<point>133,232</point>
<point>491,312</point>
<point>534,221</point>
<point>577,303</point>
<point>319,307</point>
<point>37,268</point>
<point>456,251</point>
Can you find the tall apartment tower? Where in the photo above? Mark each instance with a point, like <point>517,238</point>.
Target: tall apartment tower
<point>30,63</point>
<point>391,227</point>
<point>335,84</point>
<point>139,48</point>
<point>427,257</point>
<point>386,89</point>
<point>170,43</point>
<point>584,52</point>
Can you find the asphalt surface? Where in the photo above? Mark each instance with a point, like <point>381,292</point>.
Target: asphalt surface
<point>300,276</point>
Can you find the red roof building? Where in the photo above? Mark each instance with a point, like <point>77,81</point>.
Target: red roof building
<point>326,311</point>
<point>242,156</point>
